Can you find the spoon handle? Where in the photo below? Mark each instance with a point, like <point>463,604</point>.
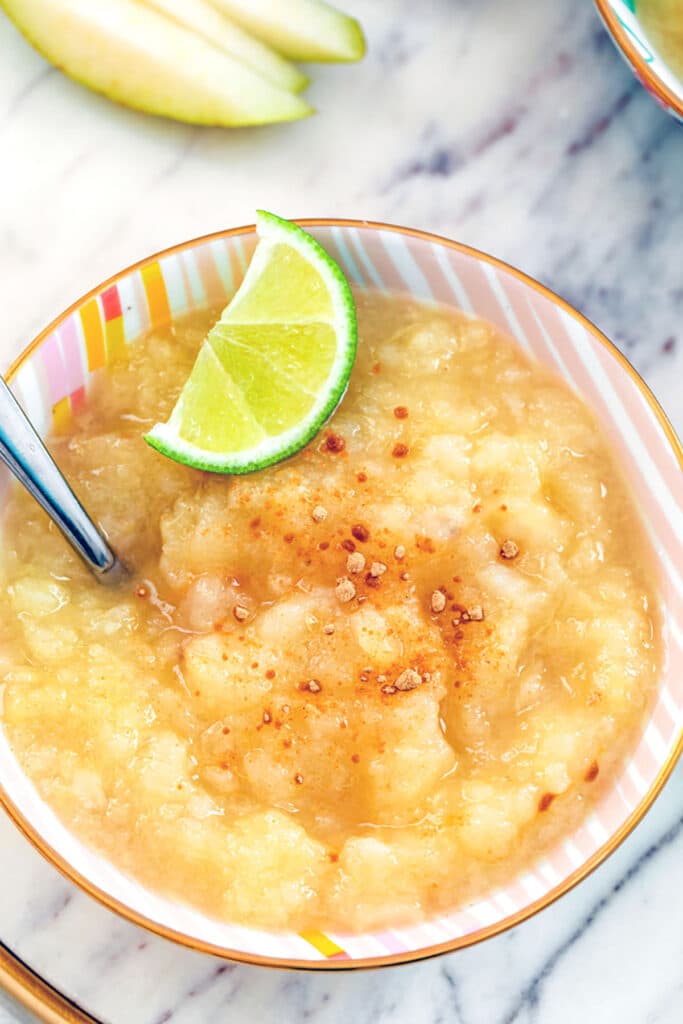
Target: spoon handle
<point>26,456</point>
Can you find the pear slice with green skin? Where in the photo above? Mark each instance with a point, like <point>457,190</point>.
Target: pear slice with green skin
<point>140,58</point>
<point>307,30</point>
<point>274,367</point>
<point>205,21</point>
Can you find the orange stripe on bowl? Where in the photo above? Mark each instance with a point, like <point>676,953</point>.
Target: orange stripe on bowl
<point>157,298</point>
<point>116,338</point>
<point>324,944</point>
<point>93,334</point>
<point>61,413</point>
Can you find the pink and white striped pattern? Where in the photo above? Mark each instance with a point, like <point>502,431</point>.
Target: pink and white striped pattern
<point>54,377</point>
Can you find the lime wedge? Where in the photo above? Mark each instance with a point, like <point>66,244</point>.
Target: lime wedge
<point>275,366</point>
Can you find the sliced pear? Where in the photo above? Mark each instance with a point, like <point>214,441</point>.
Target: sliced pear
<point>203,19</point>
<point>136,56</point>
<point>306,30</point>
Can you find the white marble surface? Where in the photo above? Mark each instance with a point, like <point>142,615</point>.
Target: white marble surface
<point>515,128</point>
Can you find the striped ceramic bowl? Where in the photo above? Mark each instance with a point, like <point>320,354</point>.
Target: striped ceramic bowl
<point>52,378</point>
<point>622,23</point>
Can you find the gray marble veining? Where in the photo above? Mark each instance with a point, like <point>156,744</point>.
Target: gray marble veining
<point>514,128</point>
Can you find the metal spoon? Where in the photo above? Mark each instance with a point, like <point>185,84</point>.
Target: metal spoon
<point>26,456</point>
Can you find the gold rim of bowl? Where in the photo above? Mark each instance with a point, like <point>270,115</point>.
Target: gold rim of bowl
<point>35,994</point>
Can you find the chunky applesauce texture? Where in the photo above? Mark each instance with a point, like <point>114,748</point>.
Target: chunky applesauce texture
<point>354,689</point>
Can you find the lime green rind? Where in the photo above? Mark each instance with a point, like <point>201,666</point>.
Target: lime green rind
<point>164,436</point>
